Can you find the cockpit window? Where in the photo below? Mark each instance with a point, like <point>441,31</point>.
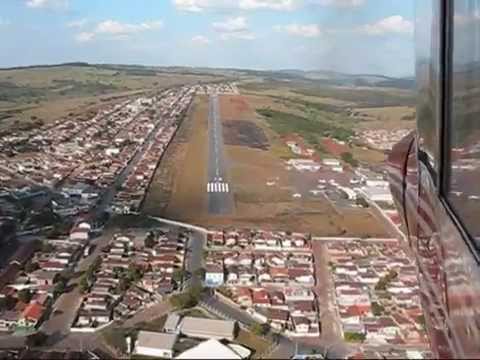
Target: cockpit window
<point>464,129</point>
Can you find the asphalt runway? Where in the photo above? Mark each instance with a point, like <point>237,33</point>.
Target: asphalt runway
<point>220,194</point>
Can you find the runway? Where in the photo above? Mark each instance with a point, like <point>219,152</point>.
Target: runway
<point>220,195</point>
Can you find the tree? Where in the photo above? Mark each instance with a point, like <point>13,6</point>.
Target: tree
<point>47,248</point>
<point>84,284</point>
<point>354,337</point>
<point>7,303</point>
<point>377,309</point>
<point>24,296</point>
<point>59,289</point>
<point>31,267</point>
<point>349,159</point>
<point>36,339</point>
<point>134,273</point>
<point>150,240</point>
<point>188,299</point>
<point>179,275</point>
<point>260,329</point>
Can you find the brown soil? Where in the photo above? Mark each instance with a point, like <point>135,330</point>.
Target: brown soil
<point>244,133</point>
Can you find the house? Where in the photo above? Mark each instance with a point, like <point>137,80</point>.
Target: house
<point>300,324</point>
<point>8,320</point>
<point>31,316</point>
<point>214,276</point>
<point>214,349</point>
<point>278,318</point>
<point>208,328</point>
<point>155,344</point>
<point>298,294</point>
<point>43,277</point>
<point>244,296</point>
<point>261,298</point>
<point>80,234</point>
<point>171,324</point>
<point>88,318</point>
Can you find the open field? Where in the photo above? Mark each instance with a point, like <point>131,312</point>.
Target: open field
<point>31,97</point>
<point>178,188</point>
<point>390,118</point>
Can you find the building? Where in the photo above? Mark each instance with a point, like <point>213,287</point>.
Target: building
<point>171,324</point>
<point>214,349</point>
<point>208,328</point>
<point>31,316</point>
<point>154,344</point>
<point>214,276</point>
<point>379,194</point>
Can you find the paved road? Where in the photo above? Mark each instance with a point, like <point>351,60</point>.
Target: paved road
<point>194,256</point>
<point>69,303</point>
<point>325,290</point>
<point>220,195</point>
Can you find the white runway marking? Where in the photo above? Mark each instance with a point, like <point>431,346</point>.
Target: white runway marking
<point>218,187</point>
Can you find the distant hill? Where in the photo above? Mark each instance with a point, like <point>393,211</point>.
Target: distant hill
<point>324,77</point>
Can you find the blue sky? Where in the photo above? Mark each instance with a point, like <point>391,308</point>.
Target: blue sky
<point>356,36</point>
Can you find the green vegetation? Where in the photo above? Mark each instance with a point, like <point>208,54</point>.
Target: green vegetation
<point>150,240</point>
<point>362,97</point>
<point>187,299</point>
<point>377,309</point>
<point>179,275</point>
<point>260,329</point>
<point>354,337</point>
<point>349,159</point>
<point>25,296</point>
<point>31,267</point>
<point>385,281</point>
<point>256,343</point>
<point>310,128</point>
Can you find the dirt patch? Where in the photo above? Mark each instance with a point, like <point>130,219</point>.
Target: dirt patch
<point>244,133</point>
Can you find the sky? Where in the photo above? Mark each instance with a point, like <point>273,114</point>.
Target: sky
<point>354,36</point>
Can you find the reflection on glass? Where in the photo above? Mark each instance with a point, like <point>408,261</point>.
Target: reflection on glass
<point>427,69</point>
<point>465,126</point>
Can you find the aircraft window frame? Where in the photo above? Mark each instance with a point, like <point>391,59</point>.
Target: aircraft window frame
<point>445,123</point>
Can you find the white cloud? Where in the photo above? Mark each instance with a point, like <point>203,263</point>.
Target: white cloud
<point>118,29</point>
<point>393,24</point>
<point>77,23</point>
<point>281,5</point>
<point>84,37</point>
<point>201,5</point>
<point>230,25</point>
<point>339,3</point>
<point>47,3</point>
<point>201,40</point>
<point>306,30</point>
<point>234,28</point>
<point>277,5</point>
<point>238,36</point>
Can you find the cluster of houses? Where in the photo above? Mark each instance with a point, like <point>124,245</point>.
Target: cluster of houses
<point>382,139</point>
<point>377,292</point>
<point>170,107</point>
<point>28,283</point>
<point>219,88</point>
<point>132,273</point>
<point>83,158</point>
<point>269,273</point>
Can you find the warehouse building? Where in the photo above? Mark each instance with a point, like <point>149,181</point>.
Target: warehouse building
<point>208,328</point>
